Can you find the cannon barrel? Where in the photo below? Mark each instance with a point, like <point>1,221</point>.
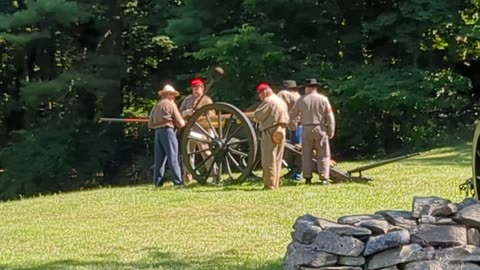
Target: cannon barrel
<point>381,163</point>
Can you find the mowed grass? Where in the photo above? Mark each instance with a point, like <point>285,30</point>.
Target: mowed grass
<point>234,227</point>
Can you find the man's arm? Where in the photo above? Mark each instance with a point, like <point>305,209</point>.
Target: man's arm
<point>288,98</point>
<point>150,117</point>
<point>177,117</point>
<point>330,120</point>
<point>295,116</point>
<point>262,112</point>
<point>206,101</point>
<point>184,107</point>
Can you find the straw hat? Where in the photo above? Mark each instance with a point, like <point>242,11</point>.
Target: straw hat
<point>168,89</point>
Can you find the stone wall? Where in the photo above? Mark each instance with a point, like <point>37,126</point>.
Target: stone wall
<point>436,234</point>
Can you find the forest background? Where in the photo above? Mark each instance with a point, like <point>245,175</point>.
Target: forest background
<point>394,70</point>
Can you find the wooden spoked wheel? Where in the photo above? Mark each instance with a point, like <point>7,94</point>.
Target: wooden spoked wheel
<point>219,144</point>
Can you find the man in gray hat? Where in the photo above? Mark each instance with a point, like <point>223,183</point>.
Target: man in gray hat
<point>290,95</point>
<point>318,122</point>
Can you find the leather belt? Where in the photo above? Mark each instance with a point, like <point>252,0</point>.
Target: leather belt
<point>274,126</point>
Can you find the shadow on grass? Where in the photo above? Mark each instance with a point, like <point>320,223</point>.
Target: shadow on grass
<point>257,185</point>
<point>156,260</point>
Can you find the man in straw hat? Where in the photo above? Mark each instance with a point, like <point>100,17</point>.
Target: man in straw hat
<point>165,118</point>
<point>272,116</point>
<point>290,95</point>
<point>190,104</point>
<point>318,122</point>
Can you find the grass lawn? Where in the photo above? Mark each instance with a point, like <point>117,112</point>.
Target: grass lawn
<point>238,227</point>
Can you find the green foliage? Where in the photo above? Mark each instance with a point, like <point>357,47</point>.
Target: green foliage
<point>6,6</point>
<point>382,110</point>
<point>248,57</point>
<point>26,37</point>
<point>200,19</point>
<point>413,26</point>
<point>60,12</point>
<point>69,82</point>
<point>387,65</point>
<point>40,160</point>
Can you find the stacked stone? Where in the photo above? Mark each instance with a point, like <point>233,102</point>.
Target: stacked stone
<point>436,234</point>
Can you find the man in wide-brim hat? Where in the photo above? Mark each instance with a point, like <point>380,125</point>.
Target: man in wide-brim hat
<point>311,82</point>
<point>165,118</point>
<point>290,95</point>
<point>168,90</point>
<point>316,116</point>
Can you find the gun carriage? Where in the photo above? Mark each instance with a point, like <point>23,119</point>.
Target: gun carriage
<point>233,142</point>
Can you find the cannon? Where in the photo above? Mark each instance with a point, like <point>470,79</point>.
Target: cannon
<point>233,146</point>
<point>471,186</point>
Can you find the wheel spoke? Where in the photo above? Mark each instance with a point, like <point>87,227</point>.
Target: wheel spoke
<point>238,142</point>
<point>210,123</point>
<point>220,127</point>
<point>227,164</point>
<point>204,131</point>
<point>198,152</point>
<point>235,161</point>
<point>203,162</point>
<point>219,171</point>
<point>231,120</point>
<point>237,152</point>
<point>198,140</point>
<point>230,136</point>
<point>209,171</point>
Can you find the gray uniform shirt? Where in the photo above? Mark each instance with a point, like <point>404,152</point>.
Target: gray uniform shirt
<point>315,109</point>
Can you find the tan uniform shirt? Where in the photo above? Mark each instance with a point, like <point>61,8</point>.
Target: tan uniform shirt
<point>189,102</point>
<point>271,112</point>
<point>290,97</point>
<point>315,109</point>
<point>165,114</point>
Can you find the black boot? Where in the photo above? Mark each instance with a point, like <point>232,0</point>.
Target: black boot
<point>308,180</point>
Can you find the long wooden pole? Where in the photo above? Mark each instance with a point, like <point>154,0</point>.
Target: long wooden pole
<point>145,120</point>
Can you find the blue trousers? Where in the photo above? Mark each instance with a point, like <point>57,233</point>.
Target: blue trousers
<point>296,135</point>
<point>166,150</point>
<point>295,138</point>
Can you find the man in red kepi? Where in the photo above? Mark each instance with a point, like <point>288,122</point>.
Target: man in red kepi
<point>272,116</point>
<point>189,105</point>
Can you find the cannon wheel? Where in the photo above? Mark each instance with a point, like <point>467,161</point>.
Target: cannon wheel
<point>476,160</point>
<point>232,144</point>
